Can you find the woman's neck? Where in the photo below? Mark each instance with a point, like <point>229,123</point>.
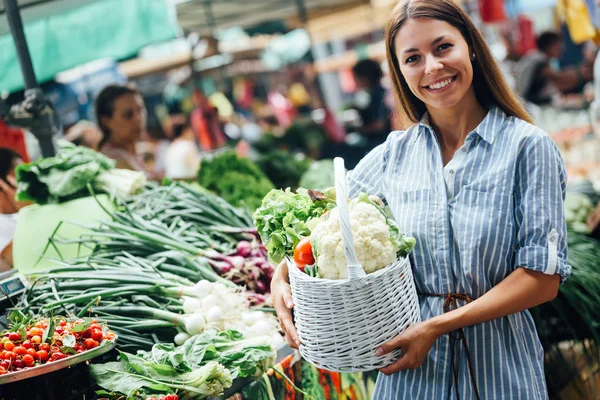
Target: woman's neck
<point>452,125</point>
<point>129,147</point>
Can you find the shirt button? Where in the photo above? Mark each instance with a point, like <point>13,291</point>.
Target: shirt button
<point>464,150</point>
<point>451,171</point>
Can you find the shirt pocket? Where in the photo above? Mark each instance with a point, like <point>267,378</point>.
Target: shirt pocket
<point>484,231</point>
<point>412,211</point>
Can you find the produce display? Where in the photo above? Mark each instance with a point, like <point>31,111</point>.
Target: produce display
<point>178,276</point>
<point>283,168</point>
<point>285,221</point>
<point>68,175</point>
<point>31,343</point>
<point>204,366</point>
<point>238,180</point>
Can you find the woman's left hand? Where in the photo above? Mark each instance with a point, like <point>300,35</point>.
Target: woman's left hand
<point>415,342</point>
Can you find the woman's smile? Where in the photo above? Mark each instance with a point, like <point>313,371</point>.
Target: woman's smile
<point>441,85</point>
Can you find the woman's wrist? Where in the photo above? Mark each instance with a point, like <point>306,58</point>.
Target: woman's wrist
<point>446,323</point>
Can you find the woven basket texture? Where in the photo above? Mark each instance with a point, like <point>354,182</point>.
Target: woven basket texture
<point>341,323</point>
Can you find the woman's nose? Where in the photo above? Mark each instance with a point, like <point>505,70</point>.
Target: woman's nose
<point>432,64</point>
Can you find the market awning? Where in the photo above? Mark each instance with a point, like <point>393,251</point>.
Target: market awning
<point>204,15</point>
<point>81,31</point>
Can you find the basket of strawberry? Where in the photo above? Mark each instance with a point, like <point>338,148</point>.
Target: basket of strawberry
<point>31,348</point>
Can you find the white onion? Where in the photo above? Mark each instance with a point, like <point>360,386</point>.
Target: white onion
<point>209,301</point>
<point>181,338</point>
<point>194,324</point>
<point>214,314</point>
<point>191,305</point>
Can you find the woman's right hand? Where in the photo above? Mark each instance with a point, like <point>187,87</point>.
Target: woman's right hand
<point>283,302</point>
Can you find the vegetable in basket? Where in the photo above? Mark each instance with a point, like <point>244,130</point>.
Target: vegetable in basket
<point>286,219</point>
<point>282,218</point>
<point>377,239</point>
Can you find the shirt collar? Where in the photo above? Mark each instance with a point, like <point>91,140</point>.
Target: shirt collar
<point>487,129</point>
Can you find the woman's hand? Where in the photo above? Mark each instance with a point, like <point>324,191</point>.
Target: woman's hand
<point>415,342</point>
<point>282,300</point>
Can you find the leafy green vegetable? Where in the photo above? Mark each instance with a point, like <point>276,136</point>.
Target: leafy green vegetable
<point>205,366</point>
<point>282,220</point>
<point>244,357</point>
<point>237,180</point>
<point>283,168</point>
<point>62,177</point>
<point>319,175</point>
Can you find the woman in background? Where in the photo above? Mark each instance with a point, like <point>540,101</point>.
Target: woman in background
<point>121,116</point>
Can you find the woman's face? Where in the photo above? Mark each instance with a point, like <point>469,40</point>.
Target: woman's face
<point>435,62</point>
<point>128,121</point>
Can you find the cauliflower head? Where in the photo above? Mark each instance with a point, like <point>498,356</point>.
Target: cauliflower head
<point>373,233</point>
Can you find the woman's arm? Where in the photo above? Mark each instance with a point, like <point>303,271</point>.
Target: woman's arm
<point>520,290</point>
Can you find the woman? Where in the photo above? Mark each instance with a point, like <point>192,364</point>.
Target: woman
<point>121,116</point>
<point>482,190</point>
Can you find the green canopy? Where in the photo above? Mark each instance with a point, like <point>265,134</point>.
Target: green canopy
<point>103,29</point>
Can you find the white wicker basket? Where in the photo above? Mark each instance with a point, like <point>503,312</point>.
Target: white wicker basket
<point>342,322</point>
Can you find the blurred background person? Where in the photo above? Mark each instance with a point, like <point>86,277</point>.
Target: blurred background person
<point>182,157</point>
<point>85,133</point>
<point>370,102</point>
<point>121,116</point>
<point>538,73</point>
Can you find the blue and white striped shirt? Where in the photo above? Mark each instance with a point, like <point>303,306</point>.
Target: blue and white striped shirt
<point>497,205</point>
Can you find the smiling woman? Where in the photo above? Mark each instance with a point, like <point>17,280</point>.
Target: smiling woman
<point>482,191</point>
<point>442,43</point>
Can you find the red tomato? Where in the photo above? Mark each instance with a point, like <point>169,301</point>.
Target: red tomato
<point>31,352</point>
<point>37,339</point>
<point>97,335</point>
<point>2,370</point>
<point>28,360</point>
<point>20,350</point>
<point>303,254</point>
<point>45,346</point>
<point>42,355</point>
<point>5,365</point>
<point>59,330</point>
<point>35,332</point>
<point>18,364</point>
<point>14,337</point>
<point>95,326</point>
<point>27,344</point>
<point>8,346</point>
<point>57,356</point>
<point>9,355</point>
<point>1,345</point>
<point>90,343</point>
<point>63,323</point>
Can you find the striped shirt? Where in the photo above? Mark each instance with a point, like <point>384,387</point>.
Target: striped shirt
<point>497,205</point>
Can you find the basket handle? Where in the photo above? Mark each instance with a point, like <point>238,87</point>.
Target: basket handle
<point>355,270</point>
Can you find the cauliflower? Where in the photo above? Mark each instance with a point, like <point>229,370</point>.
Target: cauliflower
<point>377,239</point>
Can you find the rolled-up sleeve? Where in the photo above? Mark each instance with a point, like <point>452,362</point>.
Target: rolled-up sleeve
<point>539,209</point>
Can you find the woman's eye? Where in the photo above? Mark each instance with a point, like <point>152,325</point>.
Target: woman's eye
<point>412,59</point>
<point>444,46</point>
<point>128,115</point>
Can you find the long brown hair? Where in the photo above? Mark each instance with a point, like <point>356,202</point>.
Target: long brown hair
<point>488,82</point>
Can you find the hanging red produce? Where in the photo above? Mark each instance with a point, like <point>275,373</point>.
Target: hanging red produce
<point>492,11</point>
